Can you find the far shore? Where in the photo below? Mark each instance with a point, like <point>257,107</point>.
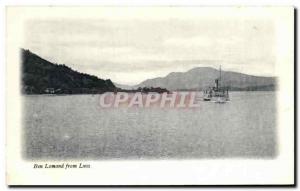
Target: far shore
<point>170,92</point>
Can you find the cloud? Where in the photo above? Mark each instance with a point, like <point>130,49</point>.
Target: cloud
<point>133,50</point>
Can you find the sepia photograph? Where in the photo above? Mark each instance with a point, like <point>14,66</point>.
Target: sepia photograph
<point>147,86</point>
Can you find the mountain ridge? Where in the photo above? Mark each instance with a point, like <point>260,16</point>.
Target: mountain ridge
<point>40,75</point>
<point>200,78</point>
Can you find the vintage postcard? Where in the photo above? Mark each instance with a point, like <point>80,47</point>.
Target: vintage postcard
<point>150,95</point>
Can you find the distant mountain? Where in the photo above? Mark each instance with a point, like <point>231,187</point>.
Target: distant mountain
<point>202,77</point>
<point>124,87</point>
<point>41,76</point>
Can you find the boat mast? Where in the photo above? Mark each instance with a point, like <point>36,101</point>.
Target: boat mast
<point>220,77</point>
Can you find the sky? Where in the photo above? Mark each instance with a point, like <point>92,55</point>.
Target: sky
<point>129,51</point>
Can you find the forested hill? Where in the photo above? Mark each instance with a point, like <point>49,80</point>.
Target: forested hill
<point>41,76</point>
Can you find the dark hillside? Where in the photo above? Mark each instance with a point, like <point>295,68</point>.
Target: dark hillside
<point>41,76</point>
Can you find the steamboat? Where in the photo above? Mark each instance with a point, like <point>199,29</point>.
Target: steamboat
<point>218,93</point>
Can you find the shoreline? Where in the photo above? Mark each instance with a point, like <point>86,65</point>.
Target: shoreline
<point>23,94</point>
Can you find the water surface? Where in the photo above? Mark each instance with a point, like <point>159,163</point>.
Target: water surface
<point>76,127</point>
